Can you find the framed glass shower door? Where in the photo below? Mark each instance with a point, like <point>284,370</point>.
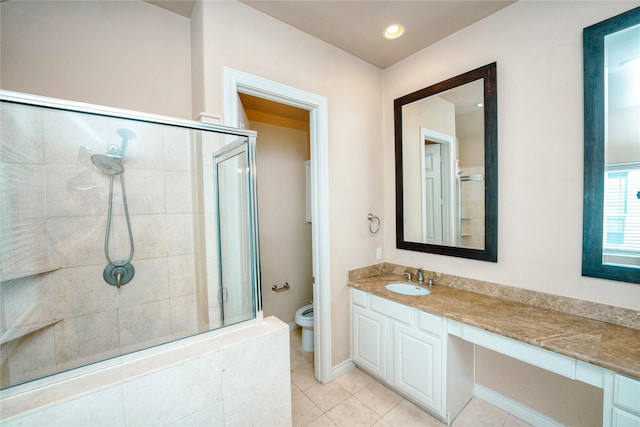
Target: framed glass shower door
<point>234,169</point>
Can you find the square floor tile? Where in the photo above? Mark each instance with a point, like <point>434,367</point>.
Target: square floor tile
<point>408,414</point>
<point>351,413</point>
<point>378,397</point>
<point>326,396</point>
<point>354,380</point>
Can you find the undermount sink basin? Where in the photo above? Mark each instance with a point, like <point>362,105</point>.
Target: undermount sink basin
<point>406,289</point>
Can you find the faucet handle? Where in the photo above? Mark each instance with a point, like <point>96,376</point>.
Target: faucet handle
<point>418,273</point>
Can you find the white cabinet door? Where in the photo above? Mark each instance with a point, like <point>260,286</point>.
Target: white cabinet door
<point>624,419</point>
<point>369,340</point>
<point>417,365</point>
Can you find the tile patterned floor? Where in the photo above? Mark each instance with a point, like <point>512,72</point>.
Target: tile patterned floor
<point>356,399</point>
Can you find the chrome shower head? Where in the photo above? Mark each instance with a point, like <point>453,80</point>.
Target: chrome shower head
<point>107,164</point>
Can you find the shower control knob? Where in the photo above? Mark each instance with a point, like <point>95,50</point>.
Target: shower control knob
<point>118,273</point>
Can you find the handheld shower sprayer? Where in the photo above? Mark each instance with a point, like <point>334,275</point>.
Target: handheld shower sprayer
<point>117,272</point>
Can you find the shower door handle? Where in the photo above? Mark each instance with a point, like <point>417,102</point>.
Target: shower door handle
<point>223,295</point>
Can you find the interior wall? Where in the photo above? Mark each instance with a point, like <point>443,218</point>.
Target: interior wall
<point>124,54</point>
<point>285,235</point>
<point>242,38</point>
<point>538,50</point>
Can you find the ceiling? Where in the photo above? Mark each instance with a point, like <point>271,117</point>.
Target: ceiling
<point>356,26</point>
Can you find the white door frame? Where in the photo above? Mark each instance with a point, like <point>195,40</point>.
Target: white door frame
<point>235,82</point>
<point>449,170</point>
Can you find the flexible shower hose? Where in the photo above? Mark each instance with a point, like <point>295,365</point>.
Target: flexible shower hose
<point>126,213</point>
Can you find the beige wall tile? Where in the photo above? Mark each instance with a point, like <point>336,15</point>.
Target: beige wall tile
<point>267,403</point>
<point>80,291</point>
<point>177,149</point>
<point>107,408</point>
<point>76,190</point>
<point>180,234</point>
<point>182,276</point>
<point>184,321</point>
<point>149,284</point>
<point>210,416</point>
<point>243,370</point>
<point>25,301</point>
<point>21,136</point>
<point>144,190</point>
<point>173,393</point>
<point>65,132</point>
<point>149,236</point>
<point>86,339</point>
<point>144,325</point>
<point>178,187</point>
<point>31,356</point>
<point>76,241</point>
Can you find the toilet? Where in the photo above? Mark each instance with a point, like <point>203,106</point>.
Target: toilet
<point>304,319</point>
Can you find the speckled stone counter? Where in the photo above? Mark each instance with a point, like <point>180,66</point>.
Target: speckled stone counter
<point>600,343</point>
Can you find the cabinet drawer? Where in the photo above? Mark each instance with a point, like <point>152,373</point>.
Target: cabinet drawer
<point>392,309</point>
<point>359,297</point>
<point>430,323</point>
<point>626,394</point>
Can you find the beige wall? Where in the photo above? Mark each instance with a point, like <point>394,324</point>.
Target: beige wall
<point>285,234</point>
<point>538,49</point>
<point>239,37</point>
<point>125,54</point>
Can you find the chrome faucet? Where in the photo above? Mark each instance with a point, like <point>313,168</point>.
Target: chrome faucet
<point>407,275</point>
<point>418,274</point>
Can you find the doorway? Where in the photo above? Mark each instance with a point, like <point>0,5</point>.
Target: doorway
<point>236,82</point>
<point>283,151</point>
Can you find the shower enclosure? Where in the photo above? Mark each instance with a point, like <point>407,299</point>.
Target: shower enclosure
<point>189,207</point>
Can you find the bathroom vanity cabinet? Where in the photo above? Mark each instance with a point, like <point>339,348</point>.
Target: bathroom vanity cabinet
<point>429,358</point>
<point>406,349</point>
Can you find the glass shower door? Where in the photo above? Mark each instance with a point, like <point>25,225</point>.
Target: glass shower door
<point>234,168</point>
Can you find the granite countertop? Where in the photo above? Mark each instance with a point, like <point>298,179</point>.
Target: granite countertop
<point>603,344</point>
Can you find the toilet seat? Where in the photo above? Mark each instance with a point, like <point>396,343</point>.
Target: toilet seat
<point>304,316</point>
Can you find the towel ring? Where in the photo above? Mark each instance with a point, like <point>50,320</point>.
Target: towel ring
<point>374,222</point>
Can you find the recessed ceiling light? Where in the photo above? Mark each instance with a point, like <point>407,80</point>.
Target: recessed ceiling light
<point>393,31</point>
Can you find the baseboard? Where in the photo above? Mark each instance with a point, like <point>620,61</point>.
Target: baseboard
<point>514,407</point>
<point>342,369</point>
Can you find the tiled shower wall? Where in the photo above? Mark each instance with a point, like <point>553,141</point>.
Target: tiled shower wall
<point>57,311</point>
<point>472,206</point>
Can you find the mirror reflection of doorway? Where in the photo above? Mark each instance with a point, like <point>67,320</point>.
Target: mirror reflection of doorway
<point>432,229</point>
<point>438,170</point>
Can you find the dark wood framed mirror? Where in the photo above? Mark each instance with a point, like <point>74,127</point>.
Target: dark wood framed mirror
<point>611,218</point>
<point>446,146</point>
